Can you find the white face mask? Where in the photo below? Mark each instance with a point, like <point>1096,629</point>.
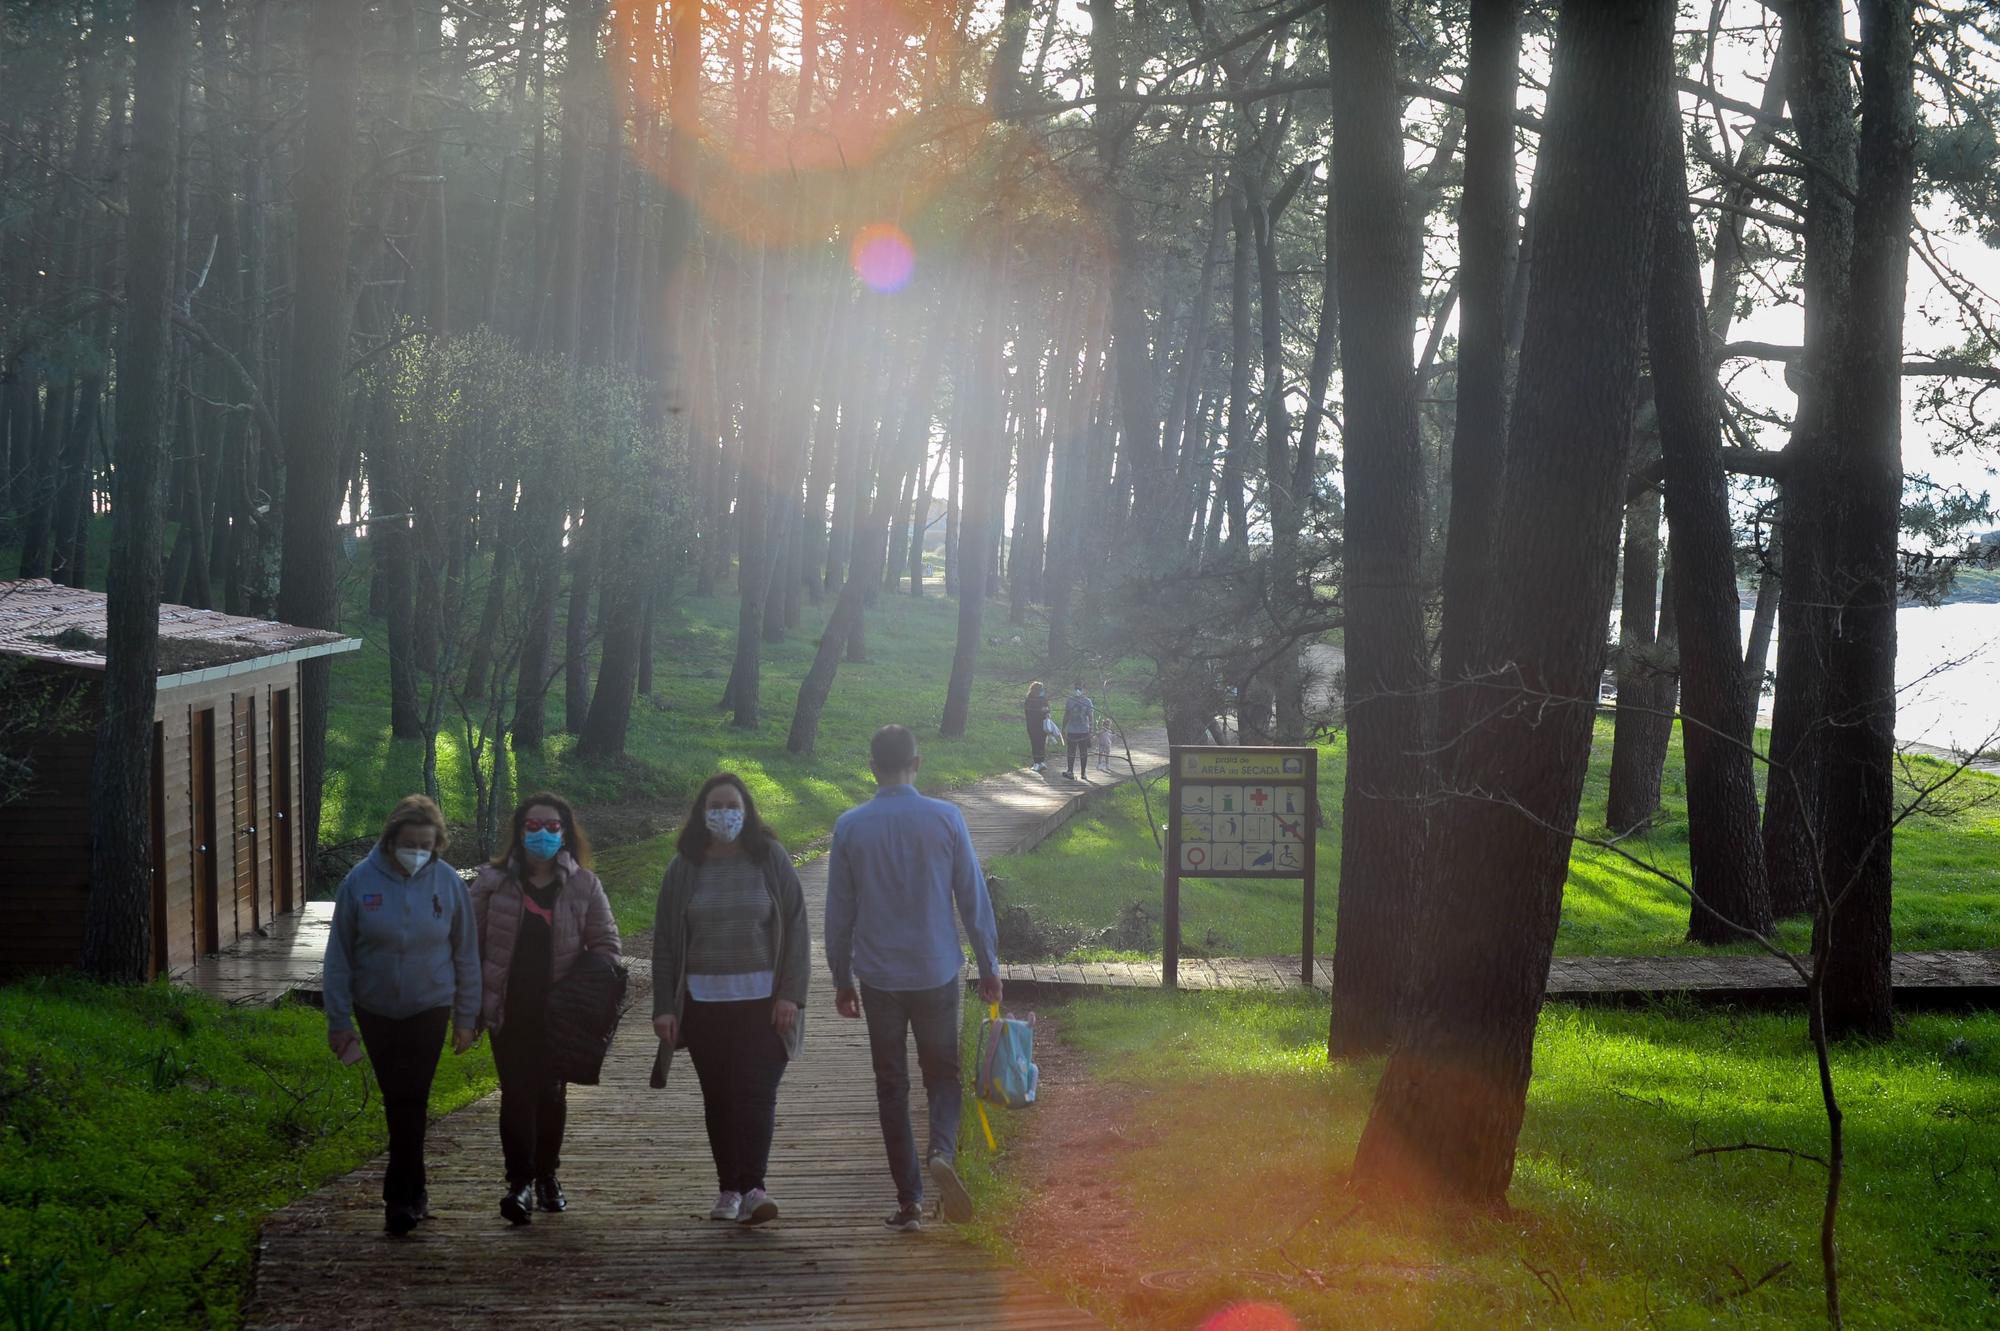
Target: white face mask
<point>412,860</point>
<point>724,824</point>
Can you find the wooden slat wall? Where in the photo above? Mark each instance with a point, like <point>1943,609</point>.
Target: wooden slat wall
<point>45,895</point>
<point>176,804</point>
<point>246,877</point>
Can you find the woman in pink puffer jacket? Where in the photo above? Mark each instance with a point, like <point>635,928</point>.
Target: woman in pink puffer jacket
<point>539,908</point>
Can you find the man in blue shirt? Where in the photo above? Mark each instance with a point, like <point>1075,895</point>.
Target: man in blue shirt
<point>899,865</point>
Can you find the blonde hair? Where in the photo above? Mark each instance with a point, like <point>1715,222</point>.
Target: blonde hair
<point>414,811</point>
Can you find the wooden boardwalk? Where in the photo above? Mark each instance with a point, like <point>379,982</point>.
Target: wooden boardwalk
<point>260,970</point>
<point>1919,977</point>
<point>635,1249</point>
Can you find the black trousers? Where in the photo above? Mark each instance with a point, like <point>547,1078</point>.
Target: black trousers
<point>1038,741</point>
<point>1078,758</point>
<point>404,1053</point>
<point>534,1104</point>
<point>739,1059</point>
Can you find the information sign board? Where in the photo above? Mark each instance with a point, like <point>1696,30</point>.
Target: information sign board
<point>1240,813</point>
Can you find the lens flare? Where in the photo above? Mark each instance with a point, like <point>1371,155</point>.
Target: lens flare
<point>882,256</point>
<point>1251,1317</point>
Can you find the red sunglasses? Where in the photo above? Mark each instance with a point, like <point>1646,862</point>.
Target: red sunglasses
<point>541,824</point>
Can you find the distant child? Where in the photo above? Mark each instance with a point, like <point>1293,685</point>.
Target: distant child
<point>1103,743</point>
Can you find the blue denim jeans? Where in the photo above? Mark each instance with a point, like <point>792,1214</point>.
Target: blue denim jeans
<point>933,1015</point>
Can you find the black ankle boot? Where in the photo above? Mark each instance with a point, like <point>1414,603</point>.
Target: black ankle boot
<point>549,1194</point>
<point>518,1206</point>
<point>399,1218</point>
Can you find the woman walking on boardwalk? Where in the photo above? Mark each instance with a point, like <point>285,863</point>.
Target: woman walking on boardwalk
<point>731,959</point>
<point>1036,710</point>
<point>402,962</point>
<point>539,909</point>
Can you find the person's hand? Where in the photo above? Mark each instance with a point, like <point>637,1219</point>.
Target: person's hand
<point>464,1038</point>
<point>989,989</point>
<point>847,1003</point>
<point>341,1041</point>
<point>666,1027</point>
<point>784,1016</point>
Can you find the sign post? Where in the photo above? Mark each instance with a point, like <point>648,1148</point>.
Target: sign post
<point>1239,812</point>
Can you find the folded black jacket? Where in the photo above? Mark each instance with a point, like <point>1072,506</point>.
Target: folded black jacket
<point>583,1014</point>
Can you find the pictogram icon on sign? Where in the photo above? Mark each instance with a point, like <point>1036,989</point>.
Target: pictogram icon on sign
<point>1290,829</point>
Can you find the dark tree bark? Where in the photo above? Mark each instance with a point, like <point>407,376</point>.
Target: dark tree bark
<point>118,925</point>
<point>1382,820</point>
<point>1448,1111</point>
<point>1725,846</point>
<point>984,481</point>
<point>1641,728</point>
<point>1867,487</point>
<point>545,516</point>
<point>314,378</point>
<point>610,715</point>
<point>1486,236</point>
<point>1757,651</point>
<point>586,541</point>
<point>1823,111</point>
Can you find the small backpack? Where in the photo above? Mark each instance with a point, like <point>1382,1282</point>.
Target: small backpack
<point>1004,1070</point>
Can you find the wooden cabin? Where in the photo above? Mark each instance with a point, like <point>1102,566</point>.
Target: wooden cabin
<point>225,775</point>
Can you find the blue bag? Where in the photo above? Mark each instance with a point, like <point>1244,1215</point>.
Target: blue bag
<point>1004,1071</point>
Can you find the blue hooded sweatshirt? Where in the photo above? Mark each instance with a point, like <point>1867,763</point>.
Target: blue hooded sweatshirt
<point>401,946</point>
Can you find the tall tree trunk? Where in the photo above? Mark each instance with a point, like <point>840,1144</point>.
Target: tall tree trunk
<point>1382,819</point>
<point>984,479</point>
<point>546,515</point>
<point>314,377</point>
<point>1757,651</point>
<point>1724,844</point>
<point>1867,473</point>
<point>117,944</point>
<point>1486,232</point>
<point>1448,1110</point>
<point>586,545</point>
<point>1641,728</point>
<point>1823,110</point>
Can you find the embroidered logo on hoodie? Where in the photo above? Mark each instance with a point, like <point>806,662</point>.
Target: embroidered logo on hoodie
<point>371,901</point>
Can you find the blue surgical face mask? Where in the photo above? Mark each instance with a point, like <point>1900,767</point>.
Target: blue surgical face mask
<point>724,824</point>
<point>541,843</point>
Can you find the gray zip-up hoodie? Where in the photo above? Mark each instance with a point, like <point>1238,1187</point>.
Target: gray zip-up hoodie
<point>401,946</point>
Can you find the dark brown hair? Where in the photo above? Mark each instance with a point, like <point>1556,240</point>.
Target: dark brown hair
<point>414,811</point>
<point>695,838</point>
<point>574,841</point>
<point>892,749</point>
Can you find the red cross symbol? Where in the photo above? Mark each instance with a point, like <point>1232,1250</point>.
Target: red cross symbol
<point>1258,798</point>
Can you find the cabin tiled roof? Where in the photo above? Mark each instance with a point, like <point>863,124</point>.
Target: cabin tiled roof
<point>65,626</point>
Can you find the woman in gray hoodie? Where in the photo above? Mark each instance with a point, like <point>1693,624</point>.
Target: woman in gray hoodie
<point>402,961</point>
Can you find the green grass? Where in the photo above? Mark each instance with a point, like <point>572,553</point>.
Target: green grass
<point>145,1132</point>
<point>1947,887</point>
<point>1606,1200</point>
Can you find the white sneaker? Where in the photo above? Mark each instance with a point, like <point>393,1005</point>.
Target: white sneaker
<point>757,1208</point>
<point>728,1206</point>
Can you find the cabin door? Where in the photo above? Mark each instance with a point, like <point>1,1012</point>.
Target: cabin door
<point>280,749</point>
<point>201,784</point>
<point>249,898</point>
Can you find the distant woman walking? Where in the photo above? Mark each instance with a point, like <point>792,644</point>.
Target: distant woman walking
<point>1036,710</point>
<point>731,958</point>
<point>539,909</point>
<point>402,962</point>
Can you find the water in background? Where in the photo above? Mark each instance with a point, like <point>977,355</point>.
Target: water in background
<point>1947,674</point>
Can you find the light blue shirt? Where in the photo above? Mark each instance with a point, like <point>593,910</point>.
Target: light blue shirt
<point>898,866</point>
